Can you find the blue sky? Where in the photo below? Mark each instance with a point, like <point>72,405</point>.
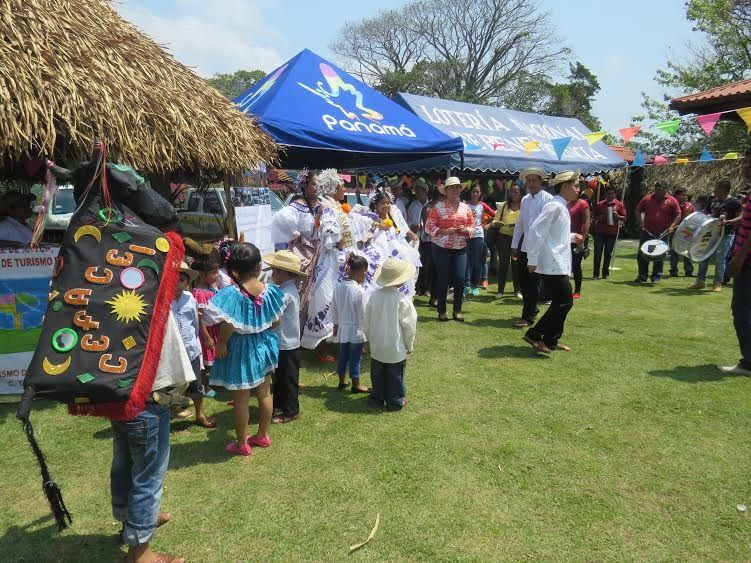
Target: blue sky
<point>623,43</point>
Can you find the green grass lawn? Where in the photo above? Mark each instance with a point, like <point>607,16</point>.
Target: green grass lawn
<point>631,447</point>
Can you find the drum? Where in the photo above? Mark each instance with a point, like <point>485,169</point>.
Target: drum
<point>697,237</point>
<point>655,250</point>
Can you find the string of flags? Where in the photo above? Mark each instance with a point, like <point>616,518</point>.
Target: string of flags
<point>669,127</point>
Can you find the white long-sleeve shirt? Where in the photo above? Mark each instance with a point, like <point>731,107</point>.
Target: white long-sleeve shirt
<point>390,325</point>
<point>531,207</point>
<point>288,328</point>
<point>549,239</point>
<point>348,311</point>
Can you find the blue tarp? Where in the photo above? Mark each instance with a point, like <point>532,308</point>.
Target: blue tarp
<point>324,117</point>
<point>494,139</point>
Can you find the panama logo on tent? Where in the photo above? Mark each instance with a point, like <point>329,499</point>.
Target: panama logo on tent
<point>334,95</point>
<point>245,103</point>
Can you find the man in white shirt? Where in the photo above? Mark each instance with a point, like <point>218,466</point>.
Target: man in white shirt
<point>549,242</point>
<point>530,209</point>
<point>15,211</point>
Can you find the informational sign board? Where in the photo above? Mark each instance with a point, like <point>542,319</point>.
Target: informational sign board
<point>25,276</point>
<point>253,217</point>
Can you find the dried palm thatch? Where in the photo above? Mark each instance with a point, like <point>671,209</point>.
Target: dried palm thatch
<point>72,71</point>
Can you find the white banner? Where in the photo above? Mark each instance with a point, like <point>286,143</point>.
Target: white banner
<point>25,277</point>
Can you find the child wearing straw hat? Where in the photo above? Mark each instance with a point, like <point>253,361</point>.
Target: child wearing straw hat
<point>286,269</point>
<point>390,327</point>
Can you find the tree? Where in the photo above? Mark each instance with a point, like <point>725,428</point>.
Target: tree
<point>574,98</point>
<point>471,51</point>
<point>233,84</point>
<point>722,55</point>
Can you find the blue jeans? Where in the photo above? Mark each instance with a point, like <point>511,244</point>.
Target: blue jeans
<point>388,385</point>
<point>475,255</point>
<point>140,454</point>
<point>450,268</point>
<point>741,307</point>
<point>720,254</point>
<point>350,353</point>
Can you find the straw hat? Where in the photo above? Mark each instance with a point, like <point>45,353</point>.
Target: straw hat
<point>394,272</point>
<point>565,176</point>
<point>188,271</point>
<point>532,170</point>
<point>285,260</point>
<point>450,181</point>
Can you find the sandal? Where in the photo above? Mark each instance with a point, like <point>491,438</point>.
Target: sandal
<point>342,386</point>
<point>522,323</point>
<point>356,390</point>
<point>563,347</point>
<point>234,449</point>
<point>443,317</point>
<point>261,443</point>
<point>458,317</point>
<point>207,422</point>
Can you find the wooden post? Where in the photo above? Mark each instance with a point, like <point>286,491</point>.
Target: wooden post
<point>231,230</point>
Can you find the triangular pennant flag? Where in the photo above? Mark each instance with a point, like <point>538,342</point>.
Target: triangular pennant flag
<point>730,156</point>
<point>659,160</point>
<point>559,145</point>
<point>603,181</point>
<point>668,127</point>
<point>639,159</point>
<point>592,138</point>
<point>705,156</point>
<point>682,160</point>
<point>745,114</point>
<point>708,121</point>
<point>629,133</point>
<point>530,146</point>
<point>471,146</point>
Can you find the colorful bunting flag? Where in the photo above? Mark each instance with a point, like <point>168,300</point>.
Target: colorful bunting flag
<point>660,160</point>
<point>530,146</point>
<point>730,156</point>
<point>639,159</point>
<point>592,138</point>
<point>745,114</point>
<point>471,146</point>
<point>708,121</point>
<point>681,161</point>
<point>497,146</point>
<point>629,133</point>
<point>705,156</point>
<point>603,181</point>
<point>559,145</point>
<point>668,127</point>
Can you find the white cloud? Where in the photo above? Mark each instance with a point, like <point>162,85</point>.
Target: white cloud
<point>216,36</point>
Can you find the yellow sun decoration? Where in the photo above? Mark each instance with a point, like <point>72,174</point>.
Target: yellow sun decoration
<point>127,306</point>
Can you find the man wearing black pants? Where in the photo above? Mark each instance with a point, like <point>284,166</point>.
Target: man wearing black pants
<point>531,206</point>
<point>549,256</point>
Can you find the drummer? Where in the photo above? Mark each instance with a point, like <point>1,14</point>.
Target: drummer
<point>687,208</point>
<point>728,210</point>
<point>658,215</point>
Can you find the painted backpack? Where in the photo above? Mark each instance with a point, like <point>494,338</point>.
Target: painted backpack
<point>113,283</point>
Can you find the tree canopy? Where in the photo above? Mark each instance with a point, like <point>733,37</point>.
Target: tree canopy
<point>235,83</point>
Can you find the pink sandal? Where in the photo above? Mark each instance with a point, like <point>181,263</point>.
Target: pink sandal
<point>234,449</point>
<point>261,443</point>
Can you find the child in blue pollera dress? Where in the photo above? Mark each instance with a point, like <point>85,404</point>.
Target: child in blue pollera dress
<point>248,350</point>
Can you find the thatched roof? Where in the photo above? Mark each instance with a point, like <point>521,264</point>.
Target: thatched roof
<point>72,71</point>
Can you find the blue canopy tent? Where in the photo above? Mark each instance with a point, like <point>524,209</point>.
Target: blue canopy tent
<point>494,139</point>
<point>323,117</point>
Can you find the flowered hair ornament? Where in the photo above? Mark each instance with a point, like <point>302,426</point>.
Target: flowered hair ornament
<point>328,181</point>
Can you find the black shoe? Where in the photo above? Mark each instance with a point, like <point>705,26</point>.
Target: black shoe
<point>342,386</point>
<point>655,280</point>
<point>640,280</point>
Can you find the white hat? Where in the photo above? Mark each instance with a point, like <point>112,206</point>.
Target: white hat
<point>394,272</point>
<point>285,260</point>
<point>565,176</point>
<point>450,181</point>
<point>532,170</point>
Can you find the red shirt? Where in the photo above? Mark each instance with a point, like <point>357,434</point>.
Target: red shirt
<point>601,215</point>
<point>577,211</point>
<point>443,216</point>
<point>658,213</point>
<point>687,208</point>
<point>743,231</point>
